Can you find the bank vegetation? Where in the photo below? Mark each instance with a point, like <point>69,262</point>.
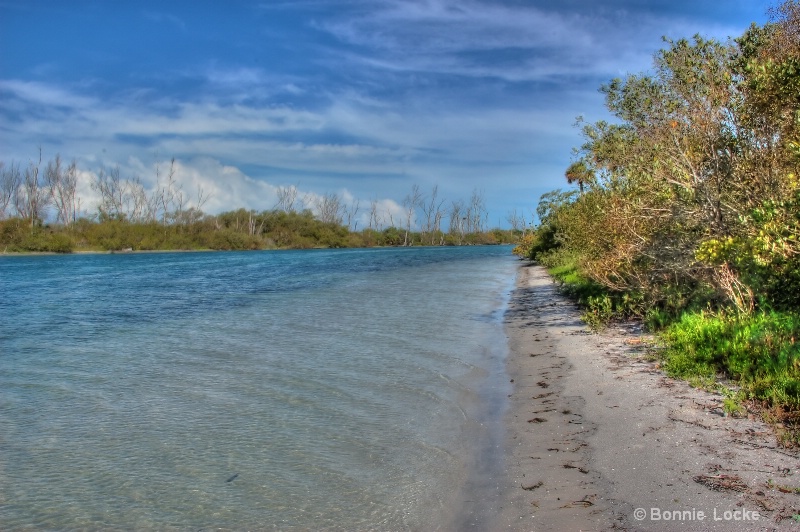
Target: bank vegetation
<point>41,211</point>
<point>686,214</point>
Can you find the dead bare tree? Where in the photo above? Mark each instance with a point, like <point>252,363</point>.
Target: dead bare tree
<point>252,220</point>
<point>351,212</point>
<point>458,220</point>
<point>166,195</point>
<point>113,193</point>
<point>128,199</point>
<point>439,214</point>
<point>195,212</point>
<point>516,220</point>
<point>477,215</point>
<point>433,214</point>
<point>410,203</point>
<point>374,217</point>
<point>329,208</point>
<point>10,181</point>
<point>63,184</point>
<point>142,208</point>
<point>286,198</point>
<point>32,197</point>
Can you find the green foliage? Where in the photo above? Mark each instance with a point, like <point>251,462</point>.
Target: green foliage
<point>692,169</point>
<point>228,240</point>
<point>688,213</point>
<point>233,230</point>
<point>17,235</point>
<point>544,239</point>
<point>534,244</point>
<point>600,305</point>
<point>760,352</point>
<point>764,255</point>
<point>693,198</point>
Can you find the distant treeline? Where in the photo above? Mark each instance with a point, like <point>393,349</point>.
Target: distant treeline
<point>40,211</point>
<point>687,211</point>
<point>235,230</point>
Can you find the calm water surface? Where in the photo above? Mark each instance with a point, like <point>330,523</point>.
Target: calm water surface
<point>347,389</point>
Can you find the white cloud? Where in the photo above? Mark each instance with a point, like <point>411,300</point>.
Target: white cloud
<point>463,93</point>
<point>423,144</point>
<point>160,17</point>
<point>37,93</point>
<point>516,42</point>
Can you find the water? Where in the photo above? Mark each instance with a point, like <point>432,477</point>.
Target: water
<point>347,389</point>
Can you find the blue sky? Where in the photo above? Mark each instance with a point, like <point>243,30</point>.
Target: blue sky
<point>363,98</point>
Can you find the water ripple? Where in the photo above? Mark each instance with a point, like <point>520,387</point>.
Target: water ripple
<point>338,385</point>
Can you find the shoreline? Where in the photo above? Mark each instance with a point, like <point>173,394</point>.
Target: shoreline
<point>100,252</point>
<point>597,431</point>
<point>129,251</point>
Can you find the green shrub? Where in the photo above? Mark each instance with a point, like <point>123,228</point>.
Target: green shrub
<point>760,352</point>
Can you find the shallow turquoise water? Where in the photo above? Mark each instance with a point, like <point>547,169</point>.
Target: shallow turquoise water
<point>347,389</point>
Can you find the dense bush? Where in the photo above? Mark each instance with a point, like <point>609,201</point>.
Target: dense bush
<point>687,212</point>
<point>17,235</point>
<point>234,230</point>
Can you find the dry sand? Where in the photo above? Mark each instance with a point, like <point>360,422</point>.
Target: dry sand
<point>597,431</point>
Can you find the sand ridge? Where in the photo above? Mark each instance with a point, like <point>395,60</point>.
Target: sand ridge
<point>599,438</point>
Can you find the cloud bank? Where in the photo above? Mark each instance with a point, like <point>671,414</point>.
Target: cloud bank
<point>360,98</point>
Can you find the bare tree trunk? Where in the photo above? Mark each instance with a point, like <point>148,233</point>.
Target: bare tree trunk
<point>32,198</point>
<point>433,214</point>
<point>516,221</point>
<point>329,208</point>
<point>457,220</point>
<point>62,184</point>
<point>10,181</point>
<point>112,192</point>
<point>374,218</point>
<point>286,198</point>
<point>352,212</point>
<point>410,203</point>
<point>477,212</point>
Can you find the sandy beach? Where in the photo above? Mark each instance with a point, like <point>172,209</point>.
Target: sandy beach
<point>599,438</point>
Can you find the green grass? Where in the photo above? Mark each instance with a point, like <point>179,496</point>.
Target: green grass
<point>600,305</point>
<point>759,352</point>
<point>753,359</point>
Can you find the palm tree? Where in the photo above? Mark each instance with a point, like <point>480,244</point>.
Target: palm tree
<point>579,172</point>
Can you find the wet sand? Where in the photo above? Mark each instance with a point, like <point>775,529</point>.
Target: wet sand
<point>597,431</point>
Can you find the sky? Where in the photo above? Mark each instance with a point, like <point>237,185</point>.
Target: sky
<point>359,98</point>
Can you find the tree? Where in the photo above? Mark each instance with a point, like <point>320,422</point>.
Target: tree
<point>351,212</point>
<point>579,172</point>
<point>432,209</point>
<point>458,221</point>
<point>286,198</point>
<point>476,214</point>
<point>694,188</point>
<point>113,194</point>
<point>410,203</point>
<point>516,221</point>
<point>32,197</point>
<point>167,198</point>
<point>10,181</point>
<point>375,220</point>
<point>63,184</point>
<point>329,208</point>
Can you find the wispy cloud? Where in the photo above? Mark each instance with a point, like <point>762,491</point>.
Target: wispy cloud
<point>515,42</point>
<point>161,17</point>
<point>364,97</point>
<point>44,94</point>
